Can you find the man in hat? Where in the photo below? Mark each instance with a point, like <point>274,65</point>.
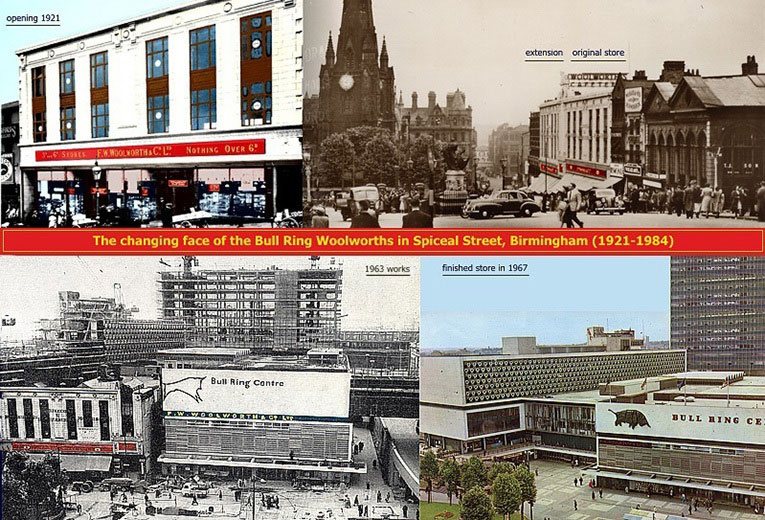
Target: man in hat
<point>319,218</point>
<point>574,204</point>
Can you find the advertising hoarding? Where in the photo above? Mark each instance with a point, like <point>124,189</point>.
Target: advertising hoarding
<point>256,393</point>
<point>633,99</point>
<point>693,422</point>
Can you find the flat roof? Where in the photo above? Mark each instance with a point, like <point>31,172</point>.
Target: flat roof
<point>477,357</point>
<point>204,351</point>
<point>585,397</point>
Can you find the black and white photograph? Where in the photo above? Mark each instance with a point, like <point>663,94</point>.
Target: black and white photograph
<point>488,113</point>
<point>280,388</point>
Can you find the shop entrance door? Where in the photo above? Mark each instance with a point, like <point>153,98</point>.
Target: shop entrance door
<point>177,188</point>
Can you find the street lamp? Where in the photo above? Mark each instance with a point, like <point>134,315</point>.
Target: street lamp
<point>503,162</point>
<point>307,170</point>
<point>97,171</point>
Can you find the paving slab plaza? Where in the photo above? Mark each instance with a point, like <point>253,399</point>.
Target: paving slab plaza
<point>293,504</point>
<point>556,494</point>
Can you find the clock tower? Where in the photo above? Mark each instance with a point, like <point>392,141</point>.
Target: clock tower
<point>356,84</point>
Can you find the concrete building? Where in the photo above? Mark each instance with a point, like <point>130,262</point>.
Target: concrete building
<point>495,405</point>
<point>717,312</point>
<point>109,322</point>
<point>269,309</point>
<point>598,340</point>
<point>98,428</point>
<point>197,106</point>
<point>534,150</point>
<point>67,364</point>
<point>275,417</point>
<point>692,433</point>
<point>384,352</point>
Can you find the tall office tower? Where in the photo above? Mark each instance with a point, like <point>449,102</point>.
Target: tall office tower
<point>718,312</point>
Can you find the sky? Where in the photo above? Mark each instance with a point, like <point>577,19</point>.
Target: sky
<point>30,286</point>
<point>560,298</point>
<point>76,16</point>
<point>478,45</point>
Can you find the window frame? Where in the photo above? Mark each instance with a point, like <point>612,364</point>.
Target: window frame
<point>96,118</point>
<point>65,111</point>
<point>38,82</point>
<point>151,55</point>
<point>197,122</point>
<point>95,67</point>
<point>208,45</point>
<point>152,109</point>
<point>65,89</point>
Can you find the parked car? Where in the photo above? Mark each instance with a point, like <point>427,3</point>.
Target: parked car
<point>505,202</point>
<point>83,486</point>
<point>604,200</point>
<point>117,484</point>
<point>369,193</point>
<point>191,489</point>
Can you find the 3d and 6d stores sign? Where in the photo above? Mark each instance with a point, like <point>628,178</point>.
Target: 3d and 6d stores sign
<point>156,151</point>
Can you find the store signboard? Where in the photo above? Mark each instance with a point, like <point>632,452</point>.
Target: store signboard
<point>714,423</point>
<point>256,394</point>
<point>155,151</point>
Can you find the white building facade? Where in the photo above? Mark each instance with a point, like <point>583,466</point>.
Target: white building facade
<point>575,133</point>
<point>198,106</point>
<point>100,427</point>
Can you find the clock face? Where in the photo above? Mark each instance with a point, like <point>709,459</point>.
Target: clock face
<point>346,82</point>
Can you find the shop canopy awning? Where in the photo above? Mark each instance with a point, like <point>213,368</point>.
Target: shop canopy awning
<point>76,463</point>
<point>538,184</point>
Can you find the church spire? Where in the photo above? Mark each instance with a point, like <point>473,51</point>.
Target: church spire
<point>384,55</point>
<point>329,57</point>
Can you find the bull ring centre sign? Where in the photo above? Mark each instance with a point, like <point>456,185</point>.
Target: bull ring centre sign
<point>716,422</point>
<point>256,394</point>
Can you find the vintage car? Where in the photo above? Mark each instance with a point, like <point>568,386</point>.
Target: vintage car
<point>370,193</point>
<point>191,489</point>
<point>604,200</point>
<point>505,202</point>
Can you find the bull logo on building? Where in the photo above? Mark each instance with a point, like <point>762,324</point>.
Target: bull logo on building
<point>632,418</point>
<point>189,386</point>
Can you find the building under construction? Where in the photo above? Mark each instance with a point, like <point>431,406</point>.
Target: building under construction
<point>260,309</point>
<point>107,321</point>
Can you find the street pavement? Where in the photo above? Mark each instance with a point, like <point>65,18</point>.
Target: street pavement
<point>550,220</point>
<point>556,494</point>
<point>294,504</point>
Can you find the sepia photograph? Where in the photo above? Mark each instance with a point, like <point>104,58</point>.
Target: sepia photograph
<point>486,113</point>
<point>281,388</point>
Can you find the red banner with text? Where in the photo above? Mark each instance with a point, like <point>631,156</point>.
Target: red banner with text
<point>266,241</point>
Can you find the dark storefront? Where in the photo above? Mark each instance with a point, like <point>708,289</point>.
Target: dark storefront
<point>9,177</point>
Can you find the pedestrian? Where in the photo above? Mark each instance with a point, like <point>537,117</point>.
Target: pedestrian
<point>379,496</point>
<point>364,218</point>
<point>417,218</point>
<point>405,509</point>
<point>220,494</point>
<point>356,500</point>
<point>536,472</point>
<point>361,510</point>
<point>575,507</point>
<point>688,200</point>
<point>194,501</point>
<point>319,218</point>
<point>367,485</point>
<point>366,510</point>
<point>593,494</point>
<point>575,481</point>
<point>600,493</point>
<point>580,481</point>
<point>574,200</point>
<point>761,202</point>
